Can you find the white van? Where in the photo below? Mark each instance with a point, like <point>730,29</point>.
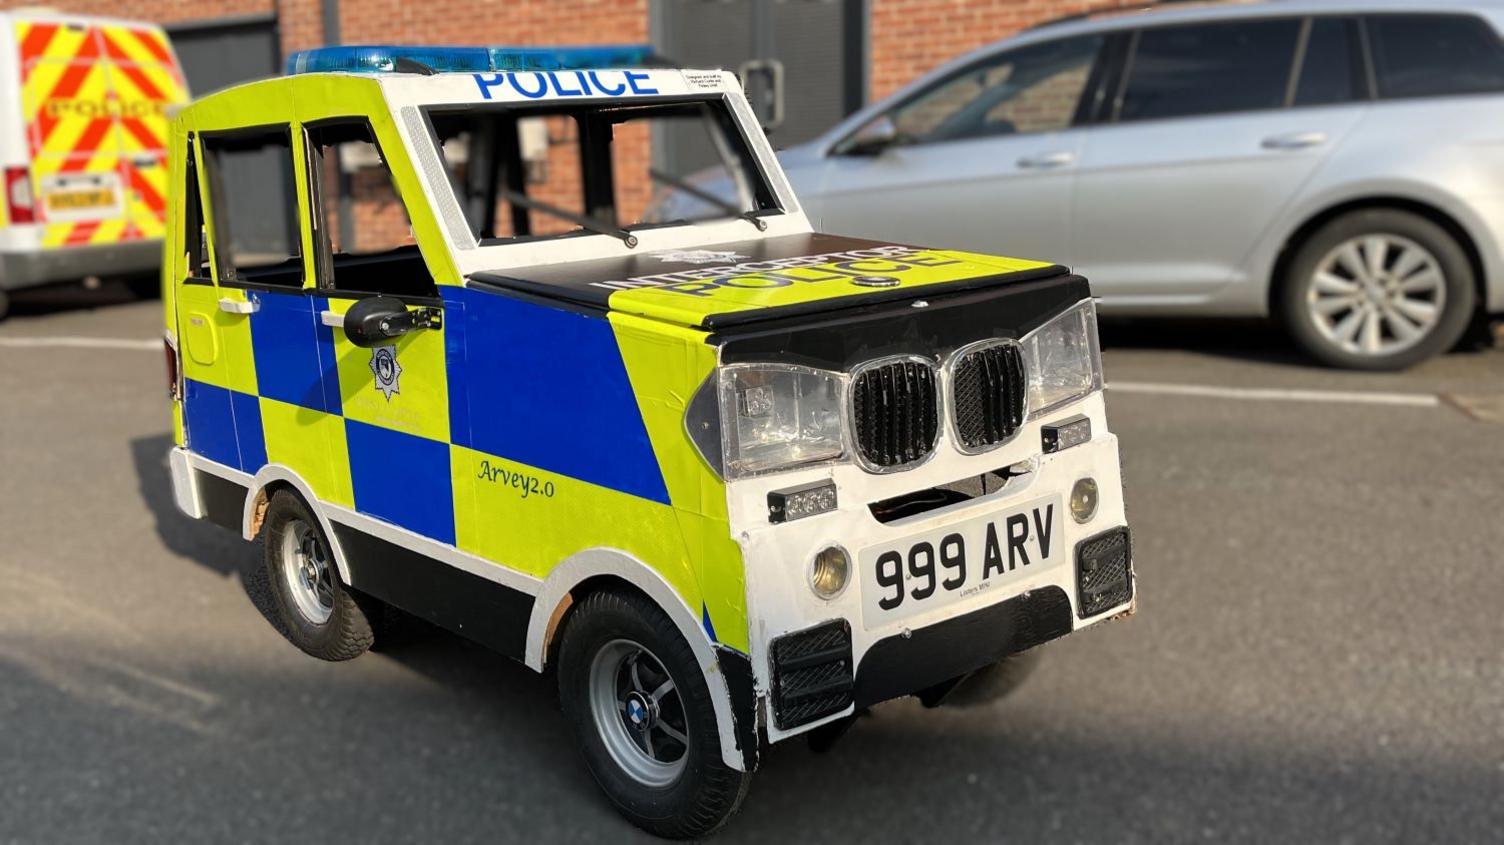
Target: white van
<point>84,105</point>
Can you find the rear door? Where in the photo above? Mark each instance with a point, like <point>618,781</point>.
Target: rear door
<point>1210,133</point>
<point>94,100</point>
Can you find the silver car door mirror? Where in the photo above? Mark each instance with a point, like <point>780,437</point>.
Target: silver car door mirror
<point>872,139</point>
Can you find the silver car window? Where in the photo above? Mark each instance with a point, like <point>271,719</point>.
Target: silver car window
<point>1031,89</point>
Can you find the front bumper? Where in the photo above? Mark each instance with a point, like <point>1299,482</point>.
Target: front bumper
<point>31,268</point>
<point>817,660</point>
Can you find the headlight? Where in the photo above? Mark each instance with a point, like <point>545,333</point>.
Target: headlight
<point>777,416</point>
<point>1063,358</point>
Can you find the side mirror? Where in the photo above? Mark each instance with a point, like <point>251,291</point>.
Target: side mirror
<point>380,320</point>
<point>877,135</point>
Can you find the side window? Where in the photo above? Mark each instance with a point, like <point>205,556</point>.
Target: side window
<point>254,197</point>
<point>1180,71</point>
<point>1435,55</point>
<point>1328,68</point>
<point>1031,89</point>
<point>364,234</point>
<point>196,262</point>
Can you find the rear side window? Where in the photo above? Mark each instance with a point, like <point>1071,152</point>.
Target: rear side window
<point>1180,71</point>
<point>1435,55</point>
<point>253,196</point>
<point>1328,68</point>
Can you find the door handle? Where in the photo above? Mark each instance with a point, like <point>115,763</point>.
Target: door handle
<point>772,70</point>
<point>1294,141</point>
<point>1046,161</point>
<point>332,320</point>
<point>236,306</point>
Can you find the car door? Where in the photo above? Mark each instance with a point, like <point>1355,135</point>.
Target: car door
<point>1211,132</point>
<point>983,159</point>
<point>394,397</point>
<point>259,245</point>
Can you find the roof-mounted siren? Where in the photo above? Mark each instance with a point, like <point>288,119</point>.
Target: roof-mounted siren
<point>418,59</point>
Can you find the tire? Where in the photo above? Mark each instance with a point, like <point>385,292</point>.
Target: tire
<point>4,305</point>
<point>995,682</point>
<point>1345,315</point>
<point>617,650</point>
<point>321,616</point>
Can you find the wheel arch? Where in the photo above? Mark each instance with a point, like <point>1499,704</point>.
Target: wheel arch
<point>265,484</point>
<point>1429,211</point>
<point>597,569</point>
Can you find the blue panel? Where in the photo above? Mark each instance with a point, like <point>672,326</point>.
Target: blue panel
<point>210,422</point>
<point>402,478</point>
<point>328,363</point>
<point>286,345</point>
<point>548,388</point>
<point>248,431</point>
<point>454,364</point>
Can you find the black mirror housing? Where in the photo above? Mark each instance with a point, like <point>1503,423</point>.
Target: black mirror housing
<point>378,321</point>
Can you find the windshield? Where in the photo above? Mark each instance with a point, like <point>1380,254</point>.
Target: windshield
<point>527,172</point>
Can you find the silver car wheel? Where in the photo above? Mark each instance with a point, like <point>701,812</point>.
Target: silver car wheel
<point>638,713</point>
<point>1376,294</point>
<point>306,569</point>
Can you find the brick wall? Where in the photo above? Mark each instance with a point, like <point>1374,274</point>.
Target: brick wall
<point>161,11</point>
<point>911,37</point>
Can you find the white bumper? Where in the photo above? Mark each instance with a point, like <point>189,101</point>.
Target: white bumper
<point>778,557</point>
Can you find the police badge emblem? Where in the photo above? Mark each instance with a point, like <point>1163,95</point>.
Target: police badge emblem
<point>386,369</point>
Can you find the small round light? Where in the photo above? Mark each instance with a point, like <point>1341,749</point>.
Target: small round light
<point>829,574</point>
<point>1084,499</point>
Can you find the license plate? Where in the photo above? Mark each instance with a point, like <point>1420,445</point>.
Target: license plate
<point>80,200</point>
<point>920,574</point>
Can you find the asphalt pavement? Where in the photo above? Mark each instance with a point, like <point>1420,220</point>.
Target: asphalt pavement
<point>1316,656</point>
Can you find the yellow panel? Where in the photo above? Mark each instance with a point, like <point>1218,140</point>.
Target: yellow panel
<point>666,366</point>
<point>530,519</point>
<point>420,405</point>
<point>311,444</point>
<point>689,303</point>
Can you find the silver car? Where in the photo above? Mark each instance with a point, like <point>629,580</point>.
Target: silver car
<point>1335,163</point>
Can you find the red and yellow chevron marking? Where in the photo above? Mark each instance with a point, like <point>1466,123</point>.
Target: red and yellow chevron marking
<point>95,99</point>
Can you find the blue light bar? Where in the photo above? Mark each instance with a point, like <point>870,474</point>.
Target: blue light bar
<point>383,59</point>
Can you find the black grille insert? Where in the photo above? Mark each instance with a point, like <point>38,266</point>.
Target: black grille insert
<point>811,674</point>
<point>895,413</point>
<point>1104,572</point>
<point>988,388</point>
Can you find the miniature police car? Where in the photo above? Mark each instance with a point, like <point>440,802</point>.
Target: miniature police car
<point>732,480</point>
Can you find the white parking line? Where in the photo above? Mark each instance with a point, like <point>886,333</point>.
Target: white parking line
<point>83,343</point>
<point>1274,394</point>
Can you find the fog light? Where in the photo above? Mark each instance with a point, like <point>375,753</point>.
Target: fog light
<point>1065,434</point>
<point>831,570</point>
<point>799,502</point>
<point>1084,500</point>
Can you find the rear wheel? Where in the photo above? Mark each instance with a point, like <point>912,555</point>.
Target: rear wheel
<point>1378,289</point>
<point>644,717</point>
<point>321,615</point>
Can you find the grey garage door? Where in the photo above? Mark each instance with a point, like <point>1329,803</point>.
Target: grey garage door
<point>217,55</point>
<point>801,61</point>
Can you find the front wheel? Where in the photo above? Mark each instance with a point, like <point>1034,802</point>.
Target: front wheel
<point>322,616</point>
<point>1378,289</point>
<point>644,717</point>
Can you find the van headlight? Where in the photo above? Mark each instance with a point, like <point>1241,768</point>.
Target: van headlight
<point>778,416</point>
<point>1063,358</point>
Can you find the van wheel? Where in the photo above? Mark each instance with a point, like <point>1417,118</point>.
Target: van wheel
<point>633,691</point>
<point>321,615</point>
<point>4,304</point>
<point>1378,289</point>
<point>996,682</point>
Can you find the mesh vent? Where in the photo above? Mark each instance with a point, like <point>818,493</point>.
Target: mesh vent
<point>811,674</point>
<point>895,411</point>
<point>1104,573</point>
<point>989,388</point>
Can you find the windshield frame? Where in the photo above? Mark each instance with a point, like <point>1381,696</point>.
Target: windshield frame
<point>764,190</point>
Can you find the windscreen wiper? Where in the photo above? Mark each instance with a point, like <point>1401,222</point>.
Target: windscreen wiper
<point>596,225</point>
<point>705,196</point>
